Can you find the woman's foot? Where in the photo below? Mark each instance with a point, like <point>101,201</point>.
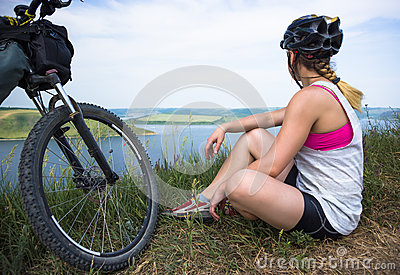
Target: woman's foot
<point>198,209</point>
<point>193,207</point>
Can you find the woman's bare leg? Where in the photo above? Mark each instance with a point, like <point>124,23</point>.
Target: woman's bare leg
<point>257,195</point>
<point>250,147</point>
<point>254,194</point>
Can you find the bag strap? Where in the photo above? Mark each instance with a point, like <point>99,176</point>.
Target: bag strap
<point>20,33</point>
<point>23,33</point>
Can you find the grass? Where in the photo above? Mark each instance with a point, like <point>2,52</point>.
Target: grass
<point>235,245</point>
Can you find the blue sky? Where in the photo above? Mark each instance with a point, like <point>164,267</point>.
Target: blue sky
<point>120,46</point>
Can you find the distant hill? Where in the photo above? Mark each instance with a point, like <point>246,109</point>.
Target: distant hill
<point>379,113</point>
<point>16,123</point>
<point>217,116</point>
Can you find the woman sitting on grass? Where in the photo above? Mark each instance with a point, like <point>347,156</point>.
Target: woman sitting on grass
<point>310,176</point>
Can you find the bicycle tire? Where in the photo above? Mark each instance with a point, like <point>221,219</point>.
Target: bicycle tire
<point>130,224</point>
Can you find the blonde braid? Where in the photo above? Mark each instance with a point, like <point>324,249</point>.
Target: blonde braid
<point>326,71</point>
<point>352,95</point>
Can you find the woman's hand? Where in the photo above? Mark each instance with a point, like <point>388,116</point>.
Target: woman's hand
<point>219,198</point>
<point>217,137</point>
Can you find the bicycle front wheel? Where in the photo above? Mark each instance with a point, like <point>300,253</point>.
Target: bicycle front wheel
<point>82,218</point>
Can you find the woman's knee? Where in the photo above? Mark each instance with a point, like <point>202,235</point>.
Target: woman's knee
<point>257,134</point>
<point>259,141</point>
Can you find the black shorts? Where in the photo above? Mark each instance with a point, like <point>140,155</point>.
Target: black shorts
<point>313,222</point>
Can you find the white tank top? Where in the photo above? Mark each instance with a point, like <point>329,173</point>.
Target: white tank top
<point>335,177</point>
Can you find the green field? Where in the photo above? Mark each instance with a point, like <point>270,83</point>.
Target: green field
<point>17,123</point>
<point>179,119</point>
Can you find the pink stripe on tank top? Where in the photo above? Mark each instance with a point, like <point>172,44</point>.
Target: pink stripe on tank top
<point>332,140</point>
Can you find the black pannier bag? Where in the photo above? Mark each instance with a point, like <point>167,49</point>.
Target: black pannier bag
<point>49,48</point>
<point>13,66</point>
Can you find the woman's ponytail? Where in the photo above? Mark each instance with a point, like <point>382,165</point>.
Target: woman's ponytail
<point>353,95</point>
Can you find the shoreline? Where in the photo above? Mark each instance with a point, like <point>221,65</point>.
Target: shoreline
<point>22,139</point>
<point>181,123</point>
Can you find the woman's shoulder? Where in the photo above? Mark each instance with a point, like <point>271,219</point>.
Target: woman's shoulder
<point>315,96</point>
<point>311,101</point>
<point>305,104</point>
<point>309,96</point>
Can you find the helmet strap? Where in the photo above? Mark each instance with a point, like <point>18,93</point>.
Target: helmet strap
<point>297,53</point>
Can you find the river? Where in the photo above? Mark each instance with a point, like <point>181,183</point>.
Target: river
<point>169,141</point>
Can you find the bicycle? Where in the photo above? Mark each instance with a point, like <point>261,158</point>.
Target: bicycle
<point>87,184</point>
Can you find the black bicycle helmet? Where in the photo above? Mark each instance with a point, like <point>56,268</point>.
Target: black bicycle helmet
<point>314,36</point>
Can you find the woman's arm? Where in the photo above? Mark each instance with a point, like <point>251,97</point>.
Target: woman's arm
<point>262,120</point>
<point>302,112</point>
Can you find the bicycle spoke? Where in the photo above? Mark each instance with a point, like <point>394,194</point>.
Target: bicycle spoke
<point>66,148</point>
<point>94,231</point>
<point>104,219</point>
<point>108,232</point>
<point>102,243</point>
<point>119,220</point>
<point>126,213</point>
<point>66,202</point>
<point>97,212</point>
<point>129,222</point>
<point>130,187</point>
<point>96,215</point>
<point>86,195</point>
<point>60,164</point>
<point>63,190</point>
<point>58,156</point>
<point>77,215</point>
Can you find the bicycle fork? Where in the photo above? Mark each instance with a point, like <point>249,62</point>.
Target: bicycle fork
<point>79,122</point>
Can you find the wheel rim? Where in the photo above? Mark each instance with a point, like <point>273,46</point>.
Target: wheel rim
<point>96,216</point>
